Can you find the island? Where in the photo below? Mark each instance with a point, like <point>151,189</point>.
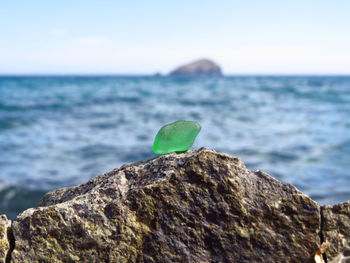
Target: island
<point>202,67</point>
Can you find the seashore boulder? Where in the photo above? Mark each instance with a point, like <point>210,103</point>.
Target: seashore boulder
<point>197,206</point>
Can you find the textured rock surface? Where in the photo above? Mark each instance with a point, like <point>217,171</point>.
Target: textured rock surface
<point>4,239</point>
<point>199,206</point>
<point>343,257</point>
<point>203,67</point>
<point>336,228</point>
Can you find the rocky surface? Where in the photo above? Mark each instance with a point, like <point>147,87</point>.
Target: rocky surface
<point>343,257</point>
<point>198,206</point>
<point>203,67</point>
<point>336,229</point>
<point>4,238</point>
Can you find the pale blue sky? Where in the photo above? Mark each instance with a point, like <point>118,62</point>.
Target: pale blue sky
<point>141,37</point>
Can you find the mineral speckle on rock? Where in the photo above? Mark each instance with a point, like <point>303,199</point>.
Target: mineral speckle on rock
<point>198,206</point>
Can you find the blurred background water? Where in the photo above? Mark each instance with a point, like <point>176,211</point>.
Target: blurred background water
<point>61,131</point>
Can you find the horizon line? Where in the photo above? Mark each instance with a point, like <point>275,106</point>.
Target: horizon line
<point>161,75</point>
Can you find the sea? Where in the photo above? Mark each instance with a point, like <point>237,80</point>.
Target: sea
<point>60,131</point>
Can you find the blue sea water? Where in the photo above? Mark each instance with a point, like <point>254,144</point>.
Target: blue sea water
<point>61,131</point>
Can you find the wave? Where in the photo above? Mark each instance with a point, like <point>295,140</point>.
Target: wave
<point>89,125</point>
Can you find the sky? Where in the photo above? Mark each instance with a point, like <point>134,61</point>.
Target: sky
<point>145,37</point>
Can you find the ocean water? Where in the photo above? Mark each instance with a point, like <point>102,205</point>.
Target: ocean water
<point>61,131</point>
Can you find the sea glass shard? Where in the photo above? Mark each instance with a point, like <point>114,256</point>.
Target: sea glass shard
<point>176,137</point>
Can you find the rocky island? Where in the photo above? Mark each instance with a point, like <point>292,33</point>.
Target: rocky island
<point>202,67</point>
<point>198,206</point>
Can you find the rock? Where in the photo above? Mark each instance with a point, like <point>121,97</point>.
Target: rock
<point>343,257</point>
<point>157,75</point>
<point>336,229</point>
<point>198,206</point>
<point>203,67</point>
<point>4,238</point>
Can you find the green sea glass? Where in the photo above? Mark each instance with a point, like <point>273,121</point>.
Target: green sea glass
<point>176,137</point>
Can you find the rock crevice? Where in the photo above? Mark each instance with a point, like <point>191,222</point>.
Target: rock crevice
<point>11,242</point>
<point>6,241</point>
<point>198,206</point>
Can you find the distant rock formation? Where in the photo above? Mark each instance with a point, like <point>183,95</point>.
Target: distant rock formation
<point>198,206</point>
<point>157,74</point>
<point>203,67</point>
